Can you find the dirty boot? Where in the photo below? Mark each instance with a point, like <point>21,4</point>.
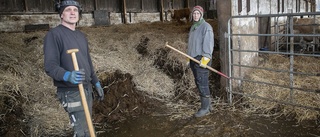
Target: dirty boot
<point>205,107</point>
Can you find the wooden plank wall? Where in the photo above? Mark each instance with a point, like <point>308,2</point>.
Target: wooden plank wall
<point>11,5</point>
<point>47,6</point>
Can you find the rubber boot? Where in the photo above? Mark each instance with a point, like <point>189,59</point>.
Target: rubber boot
<point>205,107</point>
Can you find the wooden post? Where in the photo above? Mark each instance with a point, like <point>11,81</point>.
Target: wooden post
<point>142,6</point>
<point>223,15</point>
<point>95,4</point>
<point>161,10</point>
<point>187,3</point>
<point>172,4</point>
<point>25,5</point>
<point>124,12</point>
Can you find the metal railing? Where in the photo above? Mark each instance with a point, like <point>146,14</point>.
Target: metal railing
<point>281,36</point>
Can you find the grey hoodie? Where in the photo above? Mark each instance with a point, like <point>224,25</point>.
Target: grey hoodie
<point>201,40</point>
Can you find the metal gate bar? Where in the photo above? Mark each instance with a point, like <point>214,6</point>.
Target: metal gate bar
<point>232,36</point>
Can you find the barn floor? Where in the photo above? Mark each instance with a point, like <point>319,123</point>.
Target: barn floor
<point>149,90</point>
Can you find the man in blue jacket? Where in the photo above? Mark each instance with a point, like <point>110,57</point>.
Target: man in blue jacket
<point>59,66</point>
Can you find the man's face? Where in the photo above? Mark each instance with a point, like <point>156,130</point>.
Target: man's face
<point>70,15</point>
<point>196,15</point>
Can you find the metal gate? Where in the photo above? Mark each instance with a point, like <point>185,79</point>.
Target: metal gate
<point>254,41</point>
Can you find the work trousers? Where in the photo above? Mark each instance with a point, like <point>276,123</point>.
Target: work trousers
<point>71,101</point>
<point>201,77</point>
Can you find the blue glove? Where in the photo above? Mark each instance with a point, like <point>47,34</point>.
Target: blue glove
<point>100,91</point>
<point>74,77</point>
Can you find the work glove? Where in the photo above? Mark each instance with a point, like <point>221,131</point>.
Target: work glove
<point>100,91</point>
<point>75,77</point>
<point>204,61</point>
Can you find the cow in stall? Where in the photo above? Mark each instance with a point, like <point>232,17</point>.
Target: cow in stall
<point>180,14</point>
<point>306,26</point>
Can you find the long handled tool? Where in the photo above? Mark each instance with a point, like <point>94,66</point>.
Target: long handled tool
<point>197,61</point>
<point>82,94</point>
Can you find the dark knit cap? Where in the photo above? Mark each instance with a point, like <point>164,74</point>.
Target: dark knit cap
<point>66,3</point>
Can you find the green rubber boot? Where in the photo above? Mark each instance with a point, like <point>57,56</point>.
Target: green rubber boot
<point>205,107</point>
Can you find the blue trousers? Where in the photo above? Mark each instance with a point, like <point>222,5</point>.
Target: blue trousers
<point>201,77</point>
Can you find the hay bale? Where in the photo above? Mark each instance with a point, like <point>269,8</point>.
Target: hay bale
<point>279,62</point>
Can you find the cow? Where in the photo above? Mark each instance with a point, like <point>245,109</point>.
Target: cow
<point>306,26</point>
<point>179,14</point>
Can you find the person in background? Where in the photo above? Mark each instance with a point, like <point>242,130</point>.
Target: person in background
<point>200,47</point>
<point>59,66</point>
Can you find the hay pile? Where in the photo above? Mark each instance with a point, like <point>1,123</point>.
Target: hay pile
<point>23,80</point>
<point>302,64</point>
<point>137,49</point>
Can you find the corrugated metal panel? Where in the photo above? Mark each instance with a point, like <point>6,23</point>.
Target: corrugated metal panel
<point>11,5</point>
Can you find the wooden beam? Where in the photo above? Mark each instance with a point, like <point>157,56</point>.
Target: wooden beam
<point>25,5</point>
<point>248,6</point>
<point>142,5</point>
<point>124,12</point>
<point>282,6</point>
<point>95,4</point>
<point>187,4</point>
<point>224,14</point>
<point>172,3</point>
<point>239,6</point>
<point>278,6</point>
<point>161,10</point>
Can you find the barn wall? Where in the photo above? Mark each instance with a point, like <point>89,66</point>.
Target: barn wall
<point>15,14</point>
<point>150,5</point>
<point>12,6</point>
<point>16,23</point>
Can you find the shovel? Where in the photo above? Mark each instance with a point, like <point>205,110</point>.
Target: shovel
<point>197,61</point>
<point>82,94</point>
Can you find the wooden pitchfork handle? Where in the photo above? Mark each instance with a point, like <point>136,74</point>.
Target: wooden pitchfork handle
<point>82,94</point>
<point>197,61</point>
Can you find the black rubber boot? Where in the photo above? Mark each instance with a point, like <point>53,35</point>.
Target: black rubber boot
<point>205,107</point>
